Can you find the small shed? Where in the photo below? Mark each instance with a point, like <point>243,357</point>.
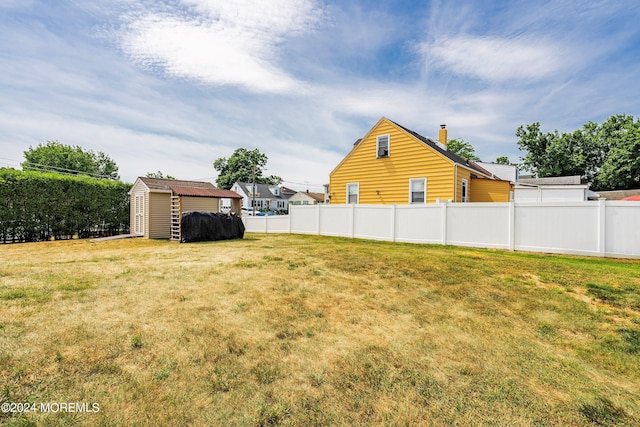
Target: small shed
<point>157,204</point>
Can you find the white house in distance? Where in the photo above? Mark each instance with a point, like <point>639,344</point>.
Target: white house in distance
<point>506,172</point>
<point>550,189</point>
<point>266,197</point>
<point>553,189</point>
<point>306,198</point>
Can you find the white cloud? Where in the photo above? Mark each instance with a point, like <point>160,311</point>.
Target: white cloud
<point>220,43</point>
<point>497,59</point>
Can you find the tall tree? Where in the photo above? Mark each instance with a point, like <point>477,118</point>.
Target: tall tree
<point>621,167</point>
<point>503,160</point>
<point>462,148</point>
<point>243,165</point>
<point>57,157</point>
<point>604,154</point>
<point>160,175</point>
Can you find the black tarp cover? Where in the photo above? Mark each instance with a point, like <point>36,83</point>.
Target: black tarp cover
<point>208,226</point>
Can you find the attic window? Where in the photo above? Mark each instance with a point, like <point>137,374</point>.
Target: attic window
<point>382,146</point>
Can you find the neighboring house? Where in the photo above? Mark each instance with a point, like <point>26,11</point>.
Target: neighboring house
<point>306,198</point>
<point>264,196</point>
<point>506,172</point>
<point>618,194</point>
<point>552,189</point>
<point>157,204</point>
<point>393,164</point>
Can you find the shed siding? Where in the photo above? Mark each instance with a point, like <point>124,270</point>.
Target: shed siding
<point>159,213</point>
<point>386,180</point>
<point>204,204</point>
<point>488,190</point>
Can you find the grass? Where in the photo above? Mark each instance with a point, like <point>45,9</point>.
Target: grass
<point>310,330</point>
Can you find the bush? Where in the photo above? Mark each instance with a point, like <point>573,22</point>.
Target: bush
<point>37,206</point>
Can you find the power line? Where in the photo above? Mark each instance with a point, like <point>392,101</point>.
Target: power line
<point>65,171</point>
<point>48,168</point>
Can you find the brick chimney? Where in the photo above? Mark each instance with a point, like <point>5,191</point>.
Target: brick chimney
<point>442,135</point>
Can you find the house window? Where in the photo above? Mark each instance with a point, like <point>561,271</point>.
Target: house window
<point>465,190</point>
<point>353,190</point>
<point>382,146</point>
<point>418,190</point>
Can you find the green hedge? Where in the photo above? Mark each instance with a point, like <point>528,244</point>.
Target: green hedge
<point>36,206</point>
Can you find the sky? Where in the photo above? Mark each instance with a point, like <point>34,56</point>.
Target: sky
<point>173,85</point>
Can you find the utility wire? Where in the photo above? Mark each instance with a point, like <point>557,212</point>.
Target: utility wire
<point>47,168</point>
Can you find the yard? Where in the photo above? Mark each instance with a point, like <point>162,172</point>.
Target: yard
<point>311,330</point>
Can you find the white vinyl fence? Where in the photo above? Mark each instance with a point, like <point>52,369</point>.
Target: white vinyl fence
<point>602,228</point>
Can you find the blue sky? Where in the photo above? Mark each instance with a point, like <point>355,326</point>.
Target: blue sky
<point>173,85</point>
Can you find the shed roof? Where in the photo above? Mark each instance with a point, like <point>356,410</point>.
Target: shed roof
<point>188,188</point>
<point>204,192</point>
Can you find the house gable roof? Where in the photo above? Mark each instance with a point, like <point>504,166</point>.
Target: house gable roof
<point>463,161</point>
<point>459,160</point>
<point>317,196</point>
<point>264,191</point>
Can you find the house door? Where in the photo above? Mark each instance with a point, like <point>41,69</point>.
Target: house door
<point>138,214</point>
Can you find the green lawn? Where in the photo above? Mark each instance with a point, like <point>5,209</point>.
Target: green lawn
<point>311,330</point>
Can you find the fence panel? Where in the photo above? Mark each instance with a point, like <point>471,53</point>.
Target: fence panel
<point>478,224</point>
<point>304,219</point>
<point>583,228</point>
<point>557,227</point>
<point>373,222</point>
<point>336,220</point>
<point>622,228</point>
<point>419,224</point>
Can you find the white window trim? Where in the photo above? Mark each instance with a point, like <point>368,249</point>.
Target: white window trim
<point>378,156</point>
<point>411,180</point>
<point>465,197</point>
<point>357,184</point>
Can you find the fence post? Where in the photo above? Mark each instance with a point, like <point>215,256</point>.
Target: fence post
<point>512,226</point>
<point>393,222</point>
<point>352,226</point>
<point>444,223</point>
<point>602,220</point>
<point>319,219</point>
<point>266,225</point>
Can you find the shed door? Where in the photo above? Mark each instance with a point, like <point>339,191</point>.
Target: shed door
<point>138,214</point>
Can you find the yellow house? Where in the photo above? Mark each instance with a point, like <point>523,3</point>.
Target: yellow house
<point>393,164</point>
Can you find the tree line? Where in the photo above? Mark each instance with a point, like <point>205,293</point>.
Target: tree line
<point>606,154</point>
